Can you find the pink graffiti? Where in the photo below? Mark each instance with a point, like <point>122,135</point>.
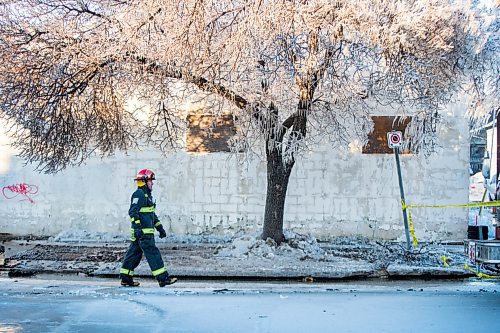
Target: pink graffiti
<point>20,189</point>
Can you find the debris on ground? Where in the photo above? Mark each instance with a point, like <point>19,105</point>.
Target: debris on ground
<point>298,256</point>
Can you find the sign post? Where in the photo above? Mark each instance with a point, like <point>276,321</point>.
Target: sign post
<point>395,140</point>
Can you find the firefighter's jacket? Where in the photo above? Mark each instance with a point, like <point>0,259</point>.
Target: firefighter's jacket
<point>142,212</point>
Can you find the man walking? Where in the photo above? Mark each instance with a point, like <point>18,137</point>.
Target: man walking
<point>144,220</point>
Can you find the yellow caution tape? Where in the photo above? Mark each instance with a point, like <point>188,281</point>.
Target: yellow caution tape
<point>410,219</point>
<point>410,222</point>
<point>481,275</point>
<point>475,204</point>
<point>412,230</point>
<point>445,260</point>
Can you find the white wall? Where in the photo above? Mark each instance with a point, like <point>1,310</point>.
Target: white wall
<point>331,192</point>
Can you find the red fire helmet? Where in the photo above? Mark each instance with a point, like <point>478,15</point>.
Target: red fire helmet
<point>145,175</point>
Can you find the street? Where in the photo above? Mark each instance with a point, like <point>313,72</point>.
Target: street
<point>81,304</point>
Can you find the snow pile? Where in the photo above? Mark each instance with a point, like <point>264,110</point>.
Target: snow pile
<point>387,253</point>
<point>305,247</point>
<point>351,241</point>
<point>298,247</point>
<point>84,236</point>
<point>195,239</point>
<point>294,245</point>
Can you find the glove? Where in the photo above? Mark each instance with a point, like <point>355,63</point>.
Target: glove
<point>138,233</point>
<point>162,232</point>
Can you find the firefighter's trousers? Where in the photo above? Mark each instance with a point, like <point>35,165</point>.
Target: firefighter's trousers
<point>146,244</point>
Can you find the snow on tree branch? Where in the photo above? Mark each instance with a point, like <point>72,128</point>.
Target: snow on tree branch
<point>70,67</point>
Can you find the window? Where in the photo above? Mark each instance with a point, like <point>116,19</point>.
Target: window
<point>209,134</point>
<point>377,139</point>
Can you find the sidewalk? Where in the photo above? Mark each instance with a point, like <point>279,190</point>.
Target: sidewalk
<point>243,259</point>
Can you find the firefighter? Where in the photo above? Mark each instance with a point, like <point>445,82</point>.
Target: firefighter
<point>144,220</point>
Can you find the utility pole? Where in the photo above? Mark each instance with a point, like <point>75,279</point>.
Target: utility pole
<point>402,193</point>
<point>395,141</point>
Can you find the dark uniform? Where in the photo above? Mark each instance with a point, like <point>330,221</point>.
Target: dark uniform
<point>144,221</point>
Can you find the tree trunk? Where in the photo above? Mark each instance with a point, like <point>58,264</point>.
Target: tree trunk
<point>277,184</point>
<point>278,175</point>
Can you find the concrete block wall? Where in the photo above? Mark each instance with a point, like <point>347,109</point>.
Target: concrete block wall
<point>331,192</point>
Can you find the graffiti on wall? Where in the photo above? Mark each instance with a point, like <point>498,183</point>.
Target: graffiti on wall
<point>24,190</point>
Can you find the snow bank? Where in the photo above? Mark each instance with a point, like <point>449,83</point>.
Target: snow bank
<point>85,236</point>
<point>295,245</point>
<point>305,247</point>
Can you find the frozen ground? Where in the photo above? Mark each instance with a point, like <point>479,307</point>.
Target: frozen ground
<point>83,304</point>
<point>301,256</point>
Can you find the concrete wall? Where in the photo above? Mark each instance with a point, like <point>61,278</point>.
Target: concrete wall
<point>331,192</point>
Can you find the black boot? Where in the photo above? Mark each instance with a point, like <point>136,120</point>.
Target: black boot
<point>127,281</point>
<point>165,280</point>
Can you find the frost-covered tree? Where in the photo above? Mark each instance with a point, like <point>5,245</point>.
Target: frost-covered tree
<point>69,68</point>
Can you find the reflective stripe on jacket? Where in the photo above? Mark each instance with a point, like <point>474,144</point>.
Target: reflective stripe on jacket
<point>142,209</point>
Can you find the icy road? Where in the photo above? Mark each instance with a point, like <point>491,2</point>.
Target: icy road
<point>72,304</point>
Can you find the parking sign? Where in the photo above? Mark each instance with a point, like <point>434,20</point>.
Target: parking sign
<point>395,139</point>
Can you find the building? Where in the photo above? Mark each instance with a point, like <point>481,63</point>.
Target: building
<point>332,192</point>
